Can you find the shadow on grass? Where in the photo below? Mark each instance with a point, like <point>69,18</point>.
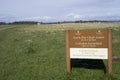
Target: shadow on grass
<point>88,63</point>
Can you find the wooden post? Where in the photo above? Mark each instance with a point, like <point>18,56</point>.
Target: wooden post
<point>68,63</point>
<point>110,52</point>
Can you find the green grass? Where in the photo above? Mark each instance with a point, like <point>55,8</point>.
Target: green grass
<point>37,52</point>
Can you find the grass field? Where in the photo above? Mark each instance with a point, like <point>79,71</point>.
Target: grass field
<point>37,52</point>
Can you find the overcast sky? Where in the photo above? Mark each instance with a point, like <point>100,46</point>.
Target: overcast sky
<point>59,10</point>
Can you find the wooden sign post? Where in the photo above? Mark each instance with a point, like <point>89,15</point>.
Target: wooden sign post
<point>110,51</point>
<point>89,44</point>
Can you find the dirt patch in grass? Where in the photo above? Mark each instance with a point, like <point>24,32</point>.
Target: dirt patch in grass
<point>116,59</point>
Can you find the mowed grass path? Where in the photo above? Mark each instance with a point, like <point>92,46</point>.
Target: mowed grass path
<point>37,52</point>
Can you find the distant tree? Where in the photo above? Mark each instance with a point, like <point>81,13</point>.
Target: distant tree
<point>2,23</point>
<point>24,22</point>
<point>77,21</point>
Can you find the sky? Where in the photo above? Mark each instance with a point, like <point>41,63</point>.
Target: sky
<point>58,10</point>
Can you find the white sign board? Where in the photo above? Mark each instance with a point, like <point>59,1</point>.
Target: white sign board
<point>89,53</point>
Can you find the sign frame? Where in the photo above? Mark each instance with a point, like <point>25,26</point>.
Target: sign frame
<point>109,46</point>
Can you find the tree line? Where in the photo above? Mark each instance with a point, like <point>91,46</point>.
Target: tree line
<point>33,22</point>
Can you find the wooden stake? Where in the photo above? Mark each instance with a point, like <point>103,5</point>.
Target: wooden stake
<point>68,63</point>
<point>110,52</point>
